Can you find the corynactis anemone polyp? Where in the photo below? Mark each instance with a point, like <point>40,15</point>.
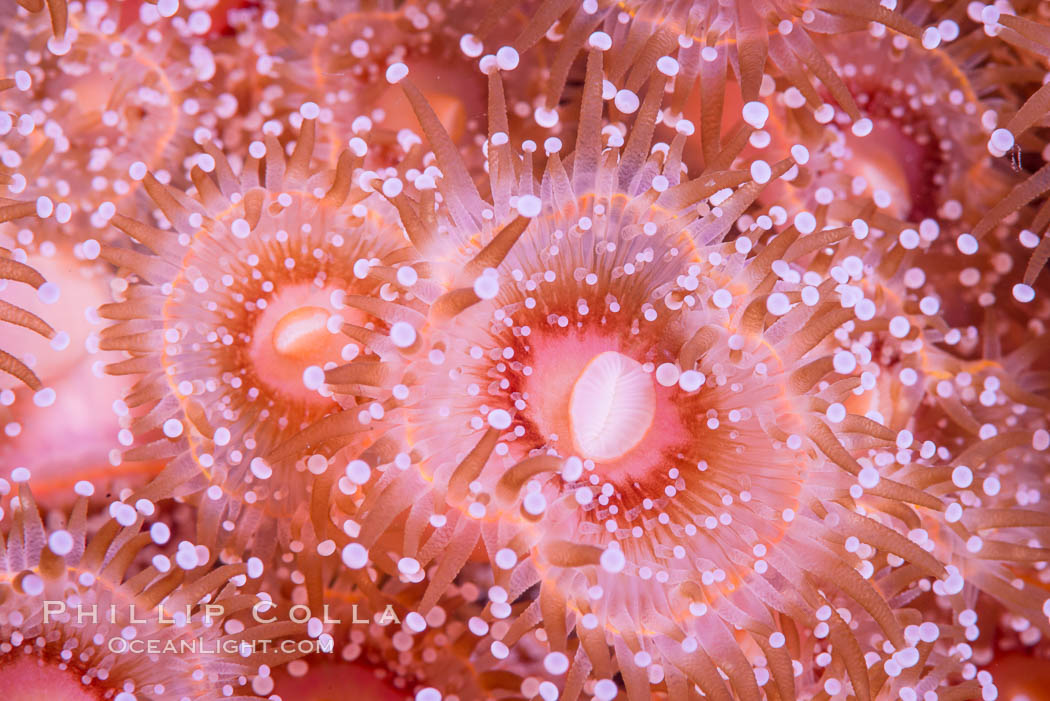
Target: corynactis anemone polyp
<point>335,53</point>
<point>921,143</point>
<point>265,278</point>
<point>917,154</point>
<point>68,594</point>
<point>89,107</point>
<point>532,413</point>
<point>674,401</point>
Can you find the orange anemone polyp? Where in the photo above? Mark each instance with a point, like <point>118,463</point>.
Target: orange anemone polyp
<point>293,334</point>
<point>100,122</point>
<point>29,679</point>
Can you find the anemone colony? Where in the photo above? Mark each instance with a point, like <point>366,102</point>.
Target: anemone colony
<point>557,349</point>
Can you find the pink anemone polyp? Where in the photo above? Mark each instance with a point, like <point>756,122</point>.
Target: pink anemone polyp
<point>70,591</point>
<point>909,126</point>
<point>94,107</point>
<point>265,280</point>
<point>336,54</point>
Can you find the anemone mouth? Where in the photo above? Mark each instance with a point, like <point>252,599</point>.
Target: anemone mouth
<point>277,327</point>
<point>611,407</point>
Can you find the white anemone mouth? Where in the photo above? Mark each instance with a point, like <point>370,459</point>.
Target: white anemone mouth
<point>300,332</point>
<point>611,407</point>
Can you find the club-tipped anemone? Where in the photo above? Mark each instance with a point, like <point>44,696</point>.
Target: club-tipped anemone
<point>921,143</point>
<point>75,597</point>
<point>984,422</point>
<point>920,157</point>
<point>730,384</point>
<point>466,244</point>
<point>995,216</point>
<point>633,383</point>
<point>89,113</point>
<point>264,278</point>
<point>336,53</point>
<point>746,492</point>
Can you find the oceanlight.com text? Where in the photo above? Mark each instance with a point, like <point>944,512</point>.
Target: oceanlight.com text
<point>201,646</point>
